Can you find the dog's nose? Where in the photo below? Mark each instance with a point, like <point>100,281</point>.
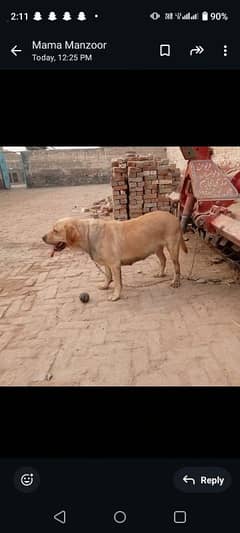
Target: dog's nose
<point>44,238</point>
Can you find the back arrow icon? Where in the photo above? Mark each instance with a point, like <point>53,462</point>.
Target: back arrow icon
<point>15,50</point>
<point>61,517</point>
<point>186,479</point>
<point>198,50</point>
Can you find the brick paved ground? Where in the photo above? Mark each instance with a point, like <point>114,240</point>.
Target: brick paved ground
<point>155,335</point>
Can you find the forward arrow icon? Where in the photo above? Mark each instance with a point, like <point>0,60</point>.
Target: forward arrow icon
<point>198,50</point>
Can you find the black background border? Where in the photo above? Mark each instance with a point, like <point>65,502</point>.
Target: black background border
<point>108,422</point>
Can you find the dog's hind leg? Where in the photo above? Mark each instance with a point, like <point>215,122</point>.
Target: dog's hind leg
<point>108,278</point>
<point>162,259</point>
<point>173,249</point>
<point>117,278</point>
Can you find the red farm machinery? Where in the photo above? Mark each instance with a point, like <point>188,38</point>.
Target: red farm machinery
<point>209,201</point>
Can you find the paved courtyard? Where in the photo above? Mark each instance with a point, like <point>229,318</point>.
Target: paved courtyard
<point>154,335</point>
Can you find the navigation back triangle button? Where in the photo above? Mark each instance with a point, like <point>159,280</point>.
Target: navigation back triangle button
<point>61,517</point>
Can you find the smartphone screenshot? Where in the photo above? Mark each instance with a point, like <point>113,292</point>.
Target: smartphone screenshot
<point>119,267</point>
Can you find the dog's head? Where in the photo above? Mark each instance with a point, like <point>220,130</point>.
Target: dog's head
<point>64,233</point>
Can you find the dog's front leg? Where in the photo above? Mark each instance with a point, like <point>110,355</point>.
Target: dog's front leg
<point>117,278</point>
<point>108,278</point>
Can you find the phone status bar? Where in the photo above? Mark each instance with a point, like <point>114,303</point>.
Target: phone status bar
<point>53,16</point>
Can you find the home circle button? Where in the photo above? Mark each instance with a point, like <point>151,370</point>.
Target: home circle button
<point>119,517</point>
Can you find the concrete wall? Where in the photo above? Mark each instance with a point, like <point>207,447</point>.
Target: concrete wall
<point>76,167</point>
<point>13,159</point>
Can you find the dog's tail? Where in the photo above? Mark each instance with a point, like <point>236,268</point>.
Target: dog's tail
<point>182,243</point>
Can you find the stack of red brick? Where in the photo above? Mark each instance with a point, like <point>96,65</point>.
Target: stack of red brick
<point>119,182</point>
<point>140,185</point>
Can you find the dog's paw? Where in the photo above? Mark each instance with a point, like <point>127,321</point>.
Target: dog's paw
<point>114,297</point>
<point>175,283</point>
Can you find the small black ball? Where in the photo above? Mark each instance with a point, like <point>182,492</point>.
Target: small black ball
<point>84,297</point>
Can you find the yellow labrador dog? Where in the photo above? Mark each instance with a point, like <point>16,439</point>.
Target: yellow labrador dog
<point>114,243</point>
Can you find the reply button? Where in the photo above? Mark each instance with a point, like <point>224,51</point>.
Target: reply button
<point>202,479</point>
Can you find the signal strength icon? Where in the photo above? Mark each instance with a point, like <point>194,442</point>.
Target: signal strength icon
<point>187,16</point>
<point>195,16</point>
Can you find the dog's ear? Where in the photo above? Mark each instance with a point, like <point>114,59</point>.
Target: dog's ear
<point>72,234</point>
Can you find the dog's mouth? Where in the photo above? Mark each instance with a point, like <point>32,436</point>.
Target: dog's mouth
<point>58,247</point>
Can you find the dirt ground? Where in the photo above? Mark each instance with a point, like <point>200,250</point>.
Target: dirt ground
<point>154,335</point>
